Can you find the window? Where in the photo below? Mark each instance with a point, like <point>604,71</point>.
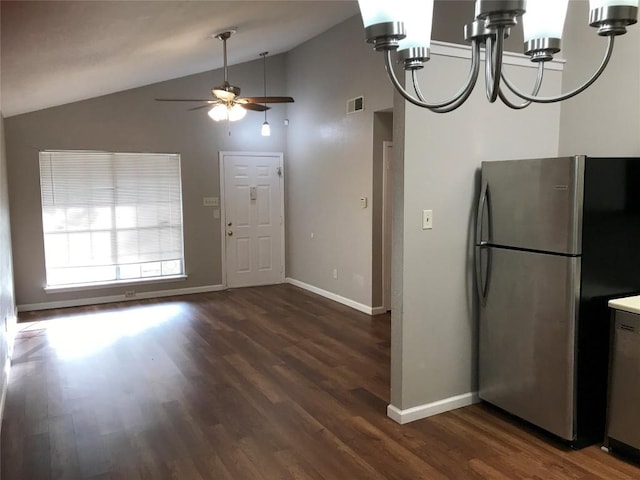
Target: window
<point>110,217</point>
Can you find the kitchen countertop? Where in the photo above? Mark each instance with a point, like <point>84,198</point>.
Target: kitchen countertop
<point>627,304</point>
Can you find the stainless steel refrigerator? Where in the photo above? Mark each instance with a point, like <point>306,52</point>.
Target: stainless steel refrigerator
<point>555,239</point>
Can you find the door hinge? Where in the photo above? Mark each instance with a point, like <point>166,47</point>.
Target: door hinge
<point>279,171</point>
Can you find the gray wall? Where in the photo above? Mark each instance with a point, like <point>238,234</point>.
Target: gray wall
<point>131,121</point>
<point>7,299</point>
<point>605,119</point>
<point>7,303</point>
<point>434,314</point>
<point>329,162</point>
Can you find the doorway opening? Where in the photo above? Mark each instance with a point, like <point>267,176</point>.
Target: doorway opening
<point>382,210</point>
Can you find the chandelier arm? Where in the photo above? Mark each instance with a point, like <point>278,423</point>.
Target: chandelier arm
<point>421,103</point>
<point>416,86</point>
<point>493,63</point>
<point>572,93</point>
<point>488,60</point>
<point>398,86</point>
<point>465,91</point>
<point>536,89</point>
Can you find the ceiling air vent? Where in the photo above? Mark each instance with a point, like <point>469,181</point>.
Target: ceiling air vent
<point>355,105</point>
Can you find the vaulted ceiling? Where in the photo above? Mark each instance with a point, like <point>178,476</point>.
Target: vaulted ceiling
<point>56,52</point>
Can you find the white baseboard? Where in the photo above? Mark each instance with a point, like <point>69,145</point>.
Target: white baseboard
<point>77,302</point>
<point>430,409</point>
<point>378,310</point>
<point>335,297</point>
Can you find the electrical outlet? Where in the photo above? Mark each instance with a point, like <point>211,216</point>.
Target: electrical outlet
<point>335,273</point>
<point>130,293</point>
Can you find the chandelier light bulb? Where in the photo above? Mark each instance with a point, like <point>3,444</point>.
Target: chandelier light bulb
<point>418,26</point>
<point>593,4</point>
<point>380,11</point>
<point>544,19</point>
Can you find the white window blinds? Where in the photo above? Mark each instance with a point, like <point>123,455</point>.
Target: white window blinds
<point>110,217</point>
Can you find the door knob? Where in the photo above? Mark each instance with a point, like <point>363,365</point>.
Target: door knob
<point>230,233</point>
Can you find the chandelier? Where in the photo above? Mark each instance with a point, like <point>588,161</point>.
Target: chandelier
<point>404,26</point>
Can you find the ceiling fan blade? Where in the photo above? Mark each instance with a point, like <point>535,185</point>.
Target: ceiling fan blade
<point>184,100</point>
<point>267,99</point>
<point>206,105</point>
<point>256,107</point>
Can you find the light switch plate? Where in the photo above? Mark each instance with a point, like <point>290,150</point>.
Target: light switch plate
<point>427,219</point>
<point>210,201</point>
<point>363,202</point>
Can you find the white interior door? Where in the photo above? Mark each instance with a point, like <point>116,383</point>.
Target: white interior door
<point>253,206</point>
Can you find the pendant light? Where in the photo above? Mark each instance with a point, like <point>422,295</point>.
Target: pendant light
<point>266,128</point>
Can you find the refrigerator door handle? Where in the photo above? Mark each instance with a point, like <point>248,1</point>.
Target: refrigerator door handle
<point>482,280</point>
<point>483,204</point>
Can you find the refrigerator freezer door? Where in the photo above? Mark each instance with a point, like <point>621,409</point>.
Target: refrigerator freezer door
<point>533,204</point>
<point>527,337</point>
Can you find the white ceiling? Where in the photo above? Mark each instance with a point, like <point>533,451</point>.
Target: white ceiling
<point>56,52</point>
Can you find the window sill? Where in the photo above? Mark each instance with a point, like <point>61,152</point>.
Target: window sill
<point>77,287</point>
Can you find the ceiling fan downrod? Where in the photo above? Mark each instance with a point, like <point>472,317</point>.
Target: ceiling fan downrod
<point>226,91</point>
<point>224,36</point>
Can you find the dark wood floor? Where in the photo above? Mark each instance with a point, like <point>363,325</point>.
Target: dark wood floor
<point>261,383</point>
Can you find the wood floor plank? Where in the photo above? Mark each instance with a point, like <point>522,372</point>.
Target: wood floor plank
<point>267,383</point>
<point>36,454</point>
<point>63,449</point>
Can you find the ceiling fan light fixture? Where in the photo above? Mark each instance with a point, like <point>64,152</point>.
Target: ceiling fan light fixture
<point>223,112</point>
<point>236,113</point>
<point>224,95</point>
<point>226,92</point>
<point>218,113</point>
<point>227,103</point>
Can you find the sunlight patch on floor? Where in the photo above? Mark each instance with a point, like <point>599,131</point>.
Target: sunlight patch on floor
<point>80,336</point>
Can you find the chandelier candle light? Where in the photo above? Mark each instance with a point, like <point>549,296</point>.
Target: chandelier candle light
<point>404,26</point>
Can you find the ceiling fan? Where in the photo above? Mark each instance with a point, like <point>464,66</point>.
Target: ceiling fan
<point>227,102</point>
